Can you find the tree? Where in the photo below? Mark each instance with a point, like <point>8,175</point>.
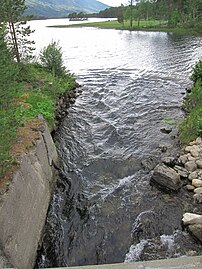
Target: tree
<point>11,12</point>
<point>51,58</point>
<point>131,13</point>
<point>8,70</point>
<point>120,16</point>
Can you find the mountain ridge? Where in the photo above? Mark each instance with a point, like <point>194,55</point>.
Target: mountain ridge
<point>61,8</point>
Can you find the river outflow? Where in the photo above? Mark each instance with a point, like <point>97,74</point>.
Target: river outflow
<point>104,209</point>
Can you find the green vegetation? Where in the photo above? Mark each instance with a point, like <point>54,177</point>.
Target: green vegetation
<point>181,16</point>
<point>191,127</point>
<point>17,34</point>
<point>79,16</point>
<point>143,26</point>
<point>26,89</point>
<point>114,24</point>
<point>34,91</point>
<point>51,58</point>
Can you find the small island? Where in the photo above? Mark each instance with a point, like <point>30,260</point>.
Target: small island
<point>77,16</point>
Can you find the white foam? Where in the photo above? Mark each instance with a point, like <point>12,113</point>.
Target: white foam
<point>135,252</point>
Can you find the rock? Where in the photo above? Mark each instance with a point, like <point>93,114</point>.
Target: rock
<point>72,100</point>
<point>169,161</point>
<point>149,163</point>
<point>199,163</point>
<point>4,263</point>
<point>166,130</point>
<point>190,157</point>
<point>187,149</point>
<point>166,177</point>
<point>190,187</point>
<point>198,198</point>
<point>190,166</point>
<point>192,143</point>
<point>196,231</point>
<point>181,171</point>
<point>195,153</point>
<point>190,218</point>
<point>198,190</point>
<point>194,150</point>
<point>197,183</point>
<point>183,159</point>
<point>163,147</point>
<point>23,208</point>
<point>193,175</point>
<point>199,140</point>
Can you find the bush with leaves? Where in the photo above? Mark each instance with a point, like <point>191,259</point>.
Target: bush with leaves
<point>51,58</point>
<point>197,72</point>
<point>191,126</point>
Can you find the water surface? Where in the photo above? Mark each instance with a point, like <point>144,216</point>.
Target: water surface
<point>104,209</point>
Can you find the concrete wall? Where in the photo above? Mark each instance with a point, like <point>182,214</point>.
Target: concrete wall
<point>23,207</point>
<point>194,262</point>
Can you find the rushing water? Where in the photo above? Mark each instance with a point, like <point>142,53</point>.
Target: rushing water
<point>104,209</point>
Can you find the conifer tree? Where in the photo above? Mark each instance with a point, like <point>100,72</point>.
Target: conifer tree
<point>11,13</point>
<point>8,70</point>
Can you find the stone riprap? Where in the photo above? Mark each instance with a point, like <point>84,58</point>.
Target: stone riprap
<point>174,173</point>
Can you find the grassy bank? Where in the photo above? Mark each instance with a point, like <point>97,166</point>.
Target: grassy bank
<point>191,126</point>
<point>33,91</point>
<point>143,26</point>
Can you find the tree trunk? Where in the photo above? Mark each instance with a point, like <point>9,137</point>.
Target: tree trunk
<point>14,38</point>
<point>131,18</point>
<point>138,22</point>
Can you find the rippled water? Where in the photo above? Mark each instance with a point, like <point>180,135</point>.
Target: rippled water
<point>104,209</point>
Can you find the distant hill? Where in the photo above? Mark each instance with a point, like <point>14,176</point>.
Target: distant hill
<point>60,8</point>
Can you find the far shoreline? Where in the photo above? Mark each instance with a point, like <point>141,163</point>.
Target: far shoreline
<point>150,26</point>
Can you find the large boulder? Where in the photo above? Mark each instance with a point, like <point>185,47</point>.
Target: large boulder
<point>199,163</point>
<point>194,150</point>
<point>197,182</point>
<point>198,190</point>
<point>181,171</point>
<point>196,231</point>
<point>166,177</point>
<point>190,218</point>
<point>190,166</point>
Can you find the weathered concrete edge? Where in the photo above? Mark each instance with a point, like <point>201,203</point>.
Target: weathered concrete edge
<point>194,262</point>
<point>23,208</point>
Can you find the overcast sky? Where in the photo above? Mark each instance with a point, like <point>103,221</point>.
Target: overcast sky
<point>114,3</point>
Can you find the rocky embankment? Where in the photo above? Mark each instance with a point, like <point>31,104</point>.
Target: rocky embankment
<point>25,199</point>
<point>184,172</point>
<point>24,205</point>
<point>64,102</point>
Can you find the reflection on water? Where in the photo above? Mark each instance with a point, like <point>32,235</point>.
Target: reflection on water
<point>104,209</point>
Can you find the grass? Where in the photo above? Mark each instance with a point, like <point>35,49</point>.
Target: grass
<point>34,92</point>
<point>191,127</point>
<point>150,25</point>
<point>112,24</point>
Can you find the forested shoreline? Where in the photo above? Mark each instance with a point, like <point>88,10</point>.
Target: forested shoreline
<point>169,14</point>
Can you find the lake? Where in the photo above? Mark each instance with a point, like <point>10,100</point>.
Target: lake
<point>104,209</point>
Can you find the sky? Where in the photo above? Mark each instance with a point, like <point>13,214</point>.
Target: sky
<point>114,3</point>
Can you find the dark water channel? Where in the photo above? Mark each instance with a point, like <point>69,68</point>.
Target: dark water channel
<point>104,209</point>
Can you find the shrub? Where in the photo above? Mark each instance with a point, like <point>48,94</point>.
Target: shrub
<point>8,72</point>
<point>51,58</point>
<point>191,126</point>
<point>197,72</point>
